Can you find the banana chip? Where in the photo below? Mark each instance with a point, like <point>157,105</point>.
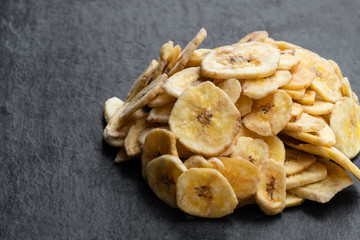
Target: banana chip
<point>288,60</point>
<point>309,97</point>
<point>111,106</point>
<point>254,150</point>
<point>316,172</point>
<point>244,104</point>
<point>160,114</point>
<point>232,88</point>
<point>258,36</point>
<point>302,77</point>
<point>292,200</point>
<point>296,161</point>
<point>318,108</point>
<point>176,84</point>
<point>197,57</point>
<point>197,161</point>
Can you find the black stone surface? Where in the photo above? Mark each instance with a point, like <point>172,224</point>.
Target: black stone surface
<point>59,62</point>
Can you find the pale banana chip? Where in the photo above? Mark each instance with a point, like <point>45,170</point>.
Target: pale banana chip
<point>197,57</point>
<point>296,94</point>
<point>282,45</point>
<point>176,84</point>
<point>158,142</point>
<point>160,114</point>
<point>292,200</point>
<point>204,192</point>
<point>249,60</point>
<point>200,114</point>
<point>232,87</point>
<point>259,36</point>
<point>270,114</point>
<point>189,49</point>
<point>216,164</point>
<point>197,161</point>
<point>176,51</point>
<point>309,97</point>
<point>326,84</point>
<point>288,60</point>
<point>337,179</point>
<point>254,150</point>
<point>336,68</point>
<point>346,88</point>
<point>165,57</point>
<point>131,143</point>
<point>318,108</point>
<point>306,123</point>
<point>111,106</point>
<point>303,75</point>
<point>145,132</point>
<point>244,104</point>
<point>345,122</point>
<point>117,141</point>
<point>297,161</point>
<point>259,88</point>
<point>162,174</point>
<point>316,172</point>
<point>296,112</point>
<point>161,100</point>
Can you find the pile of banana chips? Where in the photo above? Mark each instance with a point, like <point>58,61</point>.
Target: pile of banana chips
<point>257,122</point>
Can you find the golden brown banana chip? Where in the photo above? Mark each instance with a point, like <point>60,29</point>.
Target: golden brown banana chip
<point>137,102</point>
<point>336,68</point>
<point>246,201</point>
<point>197,161</point>
<point>165,56</point>
<point>297,161</point>
<point>145,132</point>
<point>296,94</point>
<point>326,84</point>
<point>121,156</point>
<point>288,60</point>
<point>254,150</point>
<point>232,88</point>
<point>303,75</point>
<point>306,123</point>
<point>259,88</point>
<point>346,88</point>
<point>183,152</point>
<point>282,45</point>
<point>244,104</point>
<point>322,191</point>
<point>216,164</point>
<point>186,54</point>
<point>309,97</point>
<point>176,84</point>
<point>296,112</point>
<point>316,172</point>
<point>345,122</point>
<point>204,192</point>
<point>259,36</point>
<point>160,114</point>
<point>161,100</point>
<point>292,200</point>
<point>326,152</point>
<point>131,144</point>
<point>144,78</point>
<point>197,57</point>
<point>269,114</point>
<point>200,114</point>
<point>158,142</point>
<point>111,106</point>
<point>318,108</point>
<point>176,51</point>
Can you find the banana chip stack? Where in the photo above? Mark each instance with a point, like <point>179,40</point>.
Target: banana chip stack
<point>257,122</point>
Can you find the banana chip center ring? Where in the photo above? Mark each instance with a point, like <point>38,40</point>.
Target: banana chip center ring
<point>255,122</point>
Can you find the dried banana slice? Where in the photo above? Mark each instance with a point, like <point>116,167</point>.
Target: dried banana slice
<point>303,75</point>
<point>254,150</point>
<point>121,156</point>
<point>158,142</point>
<point>162,174</point>
<point>271,193</point>
<point>242,61</point>
<point>282,45</point>
<point>144,78</point>
<point>331,153</point>
<point>115,142</point>
<point>292,200</point>
<point>346,88</point>
<point>165,56</point>
<point>216,164</point>
<point>336,68</point>
<point>232,87</point>
<point>111,106</point>
<point>176,51</point>
<point>296,161</point>
<point>176,84</point>
<point>259,36</point>
<point>183,152</point>
<point>197,57</point>
<point>316,172</point>
<point>337,179</point>
<point>270,114</point>
<point>140,100</point>
<point>325,137</point>
<point>309,97</point>
<point>296,112</point>
<point>242,175</point>
<point>288,60</point>
<point>326,84</point>
<point>160,114</point>
<point>131,143</point>
<point>145,132</point>
<point>345,122</point>
<point>204,192</point>
<point>306,123</point>
<point>246,201</point>
<point>161,100</point>
<point>197,161</point>
<point>296,94</point>
<point>189,49</point>
<point>200,114</point>
<point>244,104</point>
<point>318,108</point>
<point>259,88</point>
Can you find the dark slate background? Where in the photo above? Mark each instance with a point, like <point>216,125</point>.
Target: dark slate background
<point>60,60</point>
